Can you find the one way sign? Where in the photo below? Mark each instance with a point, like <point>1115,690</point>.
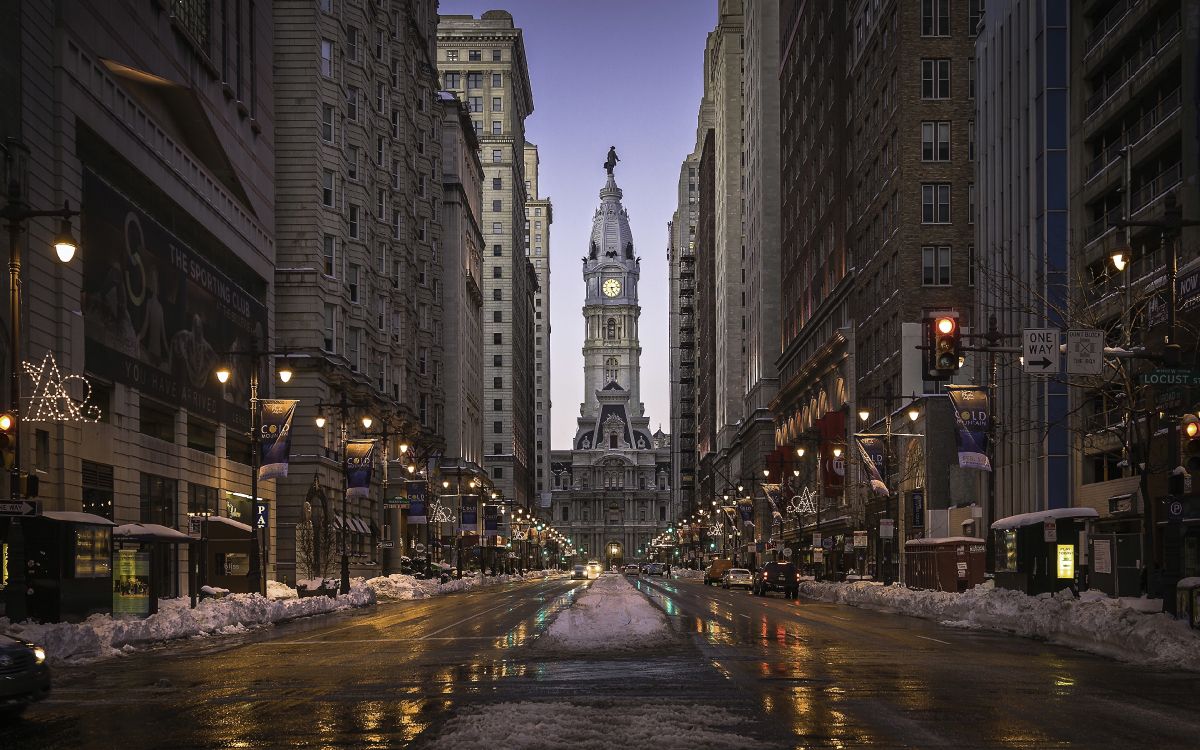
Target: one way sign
<point>19,508</point>
<point>1041,352</point>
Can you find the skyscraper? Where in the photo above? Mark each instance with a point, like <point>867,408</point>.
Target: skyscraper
<point>539,215</point>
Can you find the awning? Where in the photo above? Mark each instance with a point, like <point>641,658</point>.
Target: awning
<point>229,522</point>
<point>337,520</point>
<point>73,516</point>
<point>1029,519</point>
<point>150,532</point>
<point>361,526</point>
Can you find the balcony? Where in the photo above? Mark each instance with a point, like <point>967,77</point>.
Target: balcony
<point>1142,57</point>
<point>1106,24</point>
<point>1100,226</point>
<point>1162,182</point>
<point>1167,107</point>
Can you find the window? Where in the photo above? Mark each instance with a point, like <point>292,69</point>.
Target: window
<point>935,141</point>
<point>497,427</point>
<point>497,183</point>
<point>451,54</point>
<point>935,79</point>
<point>423,361</point>
<point>159,496</point>
<point>327,122</point>
<point>353,221</point>
<point>497,295</point>
<point>971,78</point>
<point>497,316</point>
<point>379,151</point>
<point>352,103</point>
<point>473,55</point>
<point>495,55</point>
<point>352,43</point>
<point>497,448</point>
<point>352,162</point>
<point>497,272</point>
<point>497,360</point>
<point>450,80</point>
<point>352,282</point>
<point>354,350</point>
<point>935,17</point>
<point>328,253</point>
<point>971,203</point>
<point>379,98</point>
<point>497,127</point>
<point>935,203</point>
<point>971,265</point>
<point>474,80</point>
<point>497,155</point>
<point>98,489</point>
<point>497,205</point>
<point>474,103</point>
<point>326,58</point>
<point>497,227</point>
<point>497,404</point>
<point>380,209</point>
<point>327,188</point>
<point>497,104</point>
<point>970,140</point>
<point>395,123</point>
<point>497,250</point>
<point>497,382</point>
<point>566,513</point>
<point>935,265</point>
<point>974,14</point>
<point>396,224</point>
<point>498,472</point>
<point>497,80</point>
<point>329,342</point>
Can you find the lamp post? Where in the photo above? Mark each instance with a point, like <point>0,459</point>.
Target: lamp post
<point>385,433</point>
<point>258,543</point>
<point>16,214</point>
<point>343,406</point>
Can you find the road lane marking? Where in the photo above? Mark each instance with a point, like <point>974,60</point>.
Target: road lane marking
<point>935,640</point>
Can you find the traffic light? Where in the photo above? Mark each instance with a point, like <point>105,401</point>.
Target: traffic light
<point>1191,433</point>
<point>943,345</point>
<point>8,440</point>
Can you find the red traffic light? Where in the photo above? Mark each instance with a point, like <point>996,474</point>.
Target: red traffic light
<point>946,325</point>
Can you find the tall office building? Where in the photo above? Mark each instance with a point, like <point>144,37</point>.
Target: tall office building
<point>155,124</point>
<point>359,282</point>
<point>482,61</point>
<point>539,215</point>
<point>1022,58</point>
<point>723,91</point>
<point>1134,149</point>
<point>462,239</point>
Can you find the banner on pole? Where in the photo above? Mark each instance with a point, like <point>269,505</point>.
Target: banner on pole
<point>870,451</point>
<point>918,509</point>
<point>971,418</point>
<point>360,455</point>
<point>747,512</point>
<point>491,520</point>
<point>416,502</point>
<point>275,437</point>
<point>469,507</point>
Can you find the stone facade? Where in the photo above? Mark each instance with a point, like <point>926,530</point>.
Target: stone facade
<point>539,215</point>
<point>482,61</point>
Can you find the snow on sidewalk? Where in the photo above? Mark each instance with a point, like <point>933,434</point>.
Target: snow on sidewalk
<point>610,615</point>
<point>1103,626</point>
<point>102,636</point>
<point>403,587</point>
<point>534,725</point>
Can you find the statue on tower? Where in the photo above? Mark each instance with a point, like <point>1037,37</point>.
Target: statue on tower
<point>612,159</point>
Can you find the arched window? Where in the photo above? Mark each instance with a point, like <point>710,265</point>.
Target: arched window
<point>611,365</point>
<point>610,329</point>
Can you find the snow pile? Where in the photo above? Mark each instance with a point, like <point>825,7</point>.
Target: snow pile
<point>402,587</point>
<point>687,574</point>
<point>611,615</point>
<point>536,725</point>
<point>277,590</point>
<point>101,636</point>
<point>1100,625</point>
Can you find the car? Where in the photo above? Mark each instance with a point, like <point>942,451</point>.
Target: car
<point>579,573</point>
<point>632,570</point>
<point>594,569</point>
<point>735,577</point>
<point>715,571</point>
<point>777,576</point>
<point>24,676</point>
<point>655,569</point>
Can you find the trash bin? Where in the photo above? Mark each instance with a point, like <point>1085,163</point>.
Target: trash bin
<point>1187,601</point>
<point>944,564</point>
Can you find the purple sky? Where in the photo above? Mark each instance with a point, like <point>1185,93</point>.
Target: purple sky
<point>627,73</point>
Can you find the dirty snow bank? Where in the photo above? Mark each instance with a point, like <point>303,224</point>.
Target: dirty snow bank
<point>538,725</point>
<point>397,586</point>
<point>1103,626</point>
<point>102,636</point>
<point>611,615</point>
<point>687,574</point>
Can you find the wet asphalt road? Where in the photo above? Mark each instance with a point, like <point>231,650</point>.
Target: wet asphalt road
<point>802,674</point>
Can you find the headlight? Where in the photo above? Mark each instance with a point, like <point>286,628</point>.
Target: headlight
<point>39,653</point>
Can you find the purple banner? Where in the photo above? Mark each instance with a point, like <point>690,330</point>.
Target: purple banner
<point>275,437</point>
<point>360,455</point>
<point>972,417</point>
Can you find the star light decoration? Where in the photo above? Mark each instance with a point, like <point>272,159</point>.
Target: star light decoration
<point>805,502</point>
<point>441,514</point>
<point>714,530</point>
<point>50,401</point>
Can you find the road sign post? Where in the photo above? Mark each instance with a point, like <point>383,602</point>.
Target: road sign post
<point>19,508</point>
<point>1041,352</point>
<point>1085,352</point>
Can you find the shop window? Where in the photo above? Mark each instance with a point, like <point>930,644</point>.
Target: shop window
<point>157,421</point>
<point>159,497</point>
<point>201,499</point>
<point>97,481</point>
<point>1006,551</point>
<point>201,436</point>
<point>93,552</point>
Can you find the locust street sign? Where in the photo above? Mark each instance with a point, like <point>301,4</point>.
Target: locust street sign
<point>1170,376</point>
<point>1085,352</point>
<point>19,508</point>
<point>1041,352</point>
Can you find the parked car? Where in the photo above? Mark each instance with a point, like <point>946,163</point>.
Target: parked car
<point>735,577</point>
<point>24,676</point>
<point>579,573</point>
<point>777,576</point>
<point>655,569</point>
<point>594,569</point>
<point>715,570</point>
<point>632,570</point>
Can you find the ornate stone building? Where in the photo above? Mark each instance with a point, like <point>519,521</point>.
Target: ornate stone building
<point>611,491</point>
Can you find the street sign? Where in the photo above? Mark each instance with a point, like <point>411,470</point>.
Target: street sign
<point>818,556</point>
<point>194,528</point>
<point>386,545</point>
<point>1170,376</point>
<point>1049,530</point>
<point>1085,352</point>
<point>787,552</point>
<point>860,539</point>
<point>887,528</point>
<point>19,508</point>
<point>816,539</point>
<point>261,515</point>
<point>1040,350</point>
<point>396,502</point>
<point>419,547</point>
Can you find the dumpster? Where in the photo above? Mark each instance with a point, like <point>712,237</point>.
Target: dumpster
<point>954,563</point>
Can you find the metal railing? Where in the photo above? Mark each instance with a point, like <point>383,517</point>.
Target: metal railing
<point>1140,58</point>
<point>1166,107</point>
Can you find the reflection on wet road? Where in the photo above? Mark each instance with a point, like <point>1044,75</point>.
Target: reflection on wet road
<point>801,674</point>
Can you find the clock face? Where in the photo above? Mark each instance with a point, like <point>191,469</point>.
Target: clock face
<point>612,287</point>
